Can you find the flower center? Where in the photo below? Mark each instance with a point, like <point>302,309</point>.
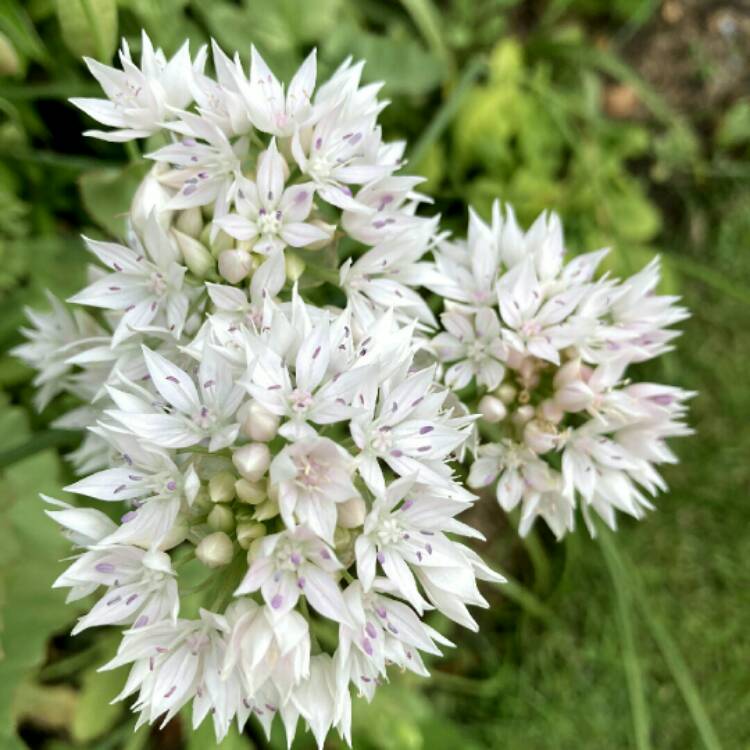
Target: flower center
<point>390,531</point>
<point>300,400</point>
<point>269,223</point>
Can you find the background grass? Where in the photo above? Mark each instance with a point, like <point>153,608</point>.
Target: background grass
<point>629,117</point>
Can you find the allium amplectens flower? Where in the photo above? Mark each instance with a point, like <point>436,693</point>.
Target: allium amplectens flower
<point>281,464</point>
<point>543,350</point>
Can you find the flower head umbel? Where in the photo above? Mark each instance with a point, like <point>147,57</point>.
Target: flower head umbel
<point>281,466</point>
<point>547,349</point>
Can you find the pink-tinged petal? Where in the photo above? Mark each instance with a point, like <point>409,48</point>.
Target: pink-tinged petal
<point>238,227</point>
<point>296,202</point>
<point>364,551</point>
<point>134,319</point>
<point>159,429</point>
<point>174,384</point>
<point>298,234</point>
<point>117,291</point>
<point>323,594</point>
<point>270,177</point>
<point>261,569</point>
<point>313,357</point>
<point>110,484</point>
<point>302,86</point>
<point>400,575</point>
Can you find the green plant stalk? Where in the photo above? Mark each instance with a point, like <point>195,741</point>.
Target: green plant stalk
<point>672,655</point>
<point>448,110</point>
<point>631,662</point>
<point>40,442</point>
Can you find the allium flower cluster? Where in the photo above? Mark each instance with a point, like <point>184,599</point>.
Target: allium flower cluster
<point>280,463</point>
<point>543,350</point>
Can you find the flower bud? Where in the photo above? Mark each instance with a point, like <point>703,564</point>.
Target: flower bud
<point>247,533</point>
<point>570,372</point>
<point>221,518</point>
<point>269,509</point>
<point>190,222</point>
<point>551,411</point>
<point>507,393</point>
<point>574,396</point>
<point>252,461</point>
<point>196,256</point>
<point>294,266</point>
<point>151,197</point>
<point>351,513</point>
<point>540,436</point>
<point>492,409</point>
<point>522,415</point>
<point>258,423</point>
<point>235,265</point>
<point>221,487</point>
<point>221,242</point>
<point>252,493</point>
<point>215,550</point>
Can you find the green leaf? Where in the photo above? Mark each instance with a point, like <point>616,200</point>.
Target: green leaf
<point>89,27</point>
<point>32,545</point>
<point>204,737</point>
<point>17,26</point>
<point>400,61</point>
<point>95,714</point>
<point>107,194</point>
<point>734,128</point>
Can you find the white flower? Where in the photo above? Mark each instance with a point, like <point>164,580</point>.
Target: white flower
<point>55,338</point>
<point>407,429</point>
<point>270,109</point>
<point>147,282</point>
<point>191,414</point>
<point>270,215</point>
<point>404,533</point>
<point>139,100</point>
<point>390,214</point>
<point>311,477</point>
<point>204,172</point>
<point>141,588</point>
<point>293,564</point>
<point>477,346</point>
<point>268,648</point>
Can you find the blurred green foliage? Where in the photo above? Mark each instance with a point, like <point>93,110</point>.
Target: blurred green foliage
<point>498,99</point>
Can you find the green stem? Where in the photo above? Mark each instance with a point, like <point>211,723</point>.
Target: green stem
<point>528,601</point>
<point>447,111</point>
<point>631,663</point>
<point>671,653</point>
<point>134,153</point>
<point>42,441</point>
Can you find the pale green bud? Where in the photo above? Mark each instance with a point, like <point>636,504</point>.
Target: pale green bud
<point>294,266</point>
<point>252,493</point>
<point>267,510</point>
<point>215,550</point>
<point>247,533</point>
<point>492,409</point>
<point>221,518</point>
<point>235,265</point>
<point>190,222</point>
<point>196,256</point>
<point>252,461</point>
<point>221,487</point>
<point>351,513</point>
